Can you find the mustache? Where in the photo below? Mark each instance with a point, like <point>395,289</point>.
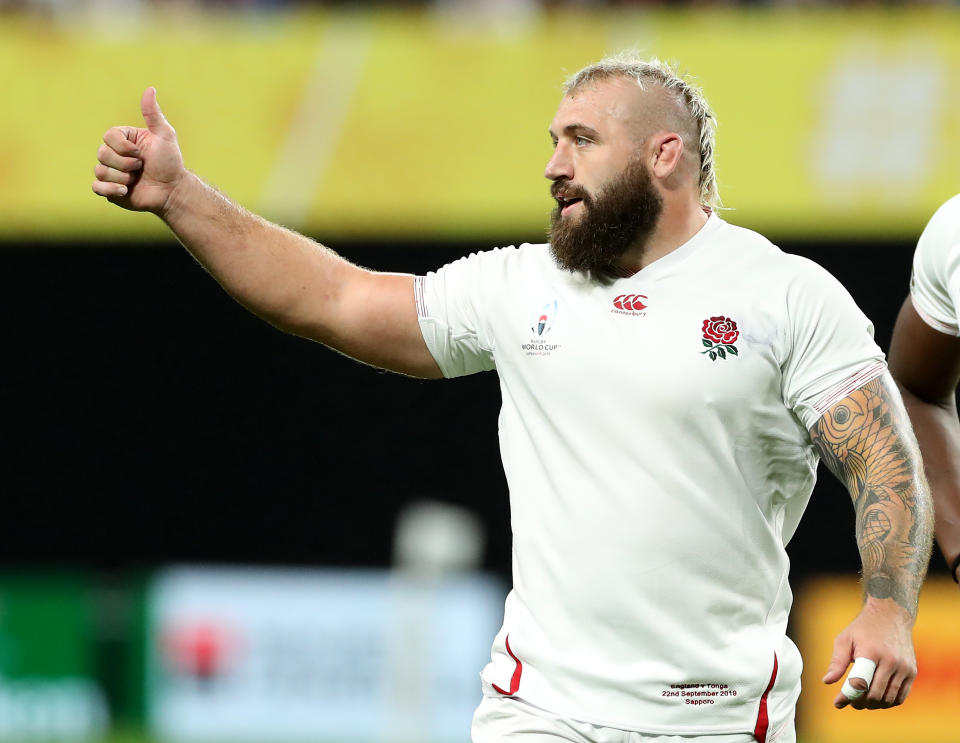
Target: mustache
<point>567,190</point>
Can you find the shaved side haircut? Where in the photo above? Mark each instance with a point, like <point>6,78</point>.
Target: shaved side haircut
<point>700,124</point>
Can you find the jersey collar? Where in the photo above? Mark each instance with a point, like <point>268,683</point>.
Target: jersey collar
<point>677,256</point>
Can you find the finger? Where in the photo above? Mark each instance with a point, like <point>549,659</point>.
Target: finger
<point>152,115</point>
<point>112,175</point>
<point>893,691</point>
<point>878,685</point>
<point>112,159</point>
<point>904,691</point>
<point>842,655</point>
<point>869,701</point>
<point>840,701</point>
<point>122,140</point>
<point>109,190</point>
<point>857,684</point>
<point>851,694</point>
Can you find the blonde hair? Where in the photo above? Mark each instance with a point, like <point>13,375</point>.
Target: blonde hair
<point>654,71</point>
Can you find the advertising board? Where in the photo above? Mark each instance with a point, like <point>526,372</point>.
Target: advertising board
<point>48,689</point>
<point>400,125</point>
<point>318,655</point>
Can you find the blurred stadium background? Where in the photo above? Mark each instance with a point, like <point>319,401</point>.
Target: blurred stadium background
<point>216,532</point>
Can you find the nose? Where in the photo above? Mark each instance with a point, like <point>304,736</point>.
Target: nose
<point>560,164</point>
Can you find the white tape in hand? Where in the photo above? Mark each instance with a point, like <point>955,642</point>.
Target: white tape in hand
<point>863,668</point>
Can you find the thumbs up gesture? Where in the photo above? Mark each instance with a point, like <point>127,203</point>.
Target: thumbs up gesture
<point>138,169</point>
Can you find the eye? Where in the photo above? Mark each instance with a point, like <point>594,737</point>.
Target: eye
<point>582,141</point>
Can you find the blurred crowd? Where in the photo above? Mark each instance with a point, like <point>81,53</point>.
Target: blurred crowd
<point>65,6</point>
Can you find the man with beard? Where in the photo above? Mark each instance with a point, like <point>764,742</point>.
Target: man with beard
<point>669,382</point>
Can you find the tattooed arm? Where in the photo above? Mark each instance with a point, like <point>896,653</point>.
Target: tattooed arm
<point>866,441</point>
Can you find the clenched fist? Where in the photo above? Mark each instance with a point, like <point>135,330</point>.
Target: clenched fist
<point>138,169</point>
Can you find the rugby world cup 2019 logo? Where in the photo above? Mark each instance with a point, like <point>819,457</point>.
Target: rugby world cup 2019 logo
<point>542,319</point>
<point>542,322</point>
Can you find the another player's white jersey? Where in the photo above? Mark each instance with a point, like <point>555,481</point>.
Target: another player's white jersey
<point>935,284</point>
<point>654,433</point>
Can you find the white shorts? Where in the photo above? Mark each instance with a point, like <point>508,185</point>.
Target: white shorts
<point>506,718</point>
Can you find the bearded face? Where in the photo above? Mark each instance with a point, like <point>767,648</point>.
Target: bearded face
<point>619,215</point>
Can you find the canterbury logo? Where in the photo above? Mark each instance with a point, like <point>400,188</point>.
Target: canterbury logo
<point>633,302</point>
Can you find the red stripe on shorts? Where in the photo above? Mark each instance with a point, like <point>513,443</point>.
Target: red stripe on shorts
<point>515,679</point>
<point>763,720</point>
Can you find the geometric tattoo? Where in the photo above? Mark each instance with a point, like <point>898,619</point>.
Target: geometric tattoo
<point>867,442</point>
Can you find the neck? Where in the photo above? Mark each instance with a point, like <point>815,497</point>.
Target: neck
<point>674,228</point>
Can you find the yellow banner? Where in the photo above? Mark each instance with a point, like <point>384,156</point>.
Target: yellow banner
<point>433,124</point>
<point>929,715</point>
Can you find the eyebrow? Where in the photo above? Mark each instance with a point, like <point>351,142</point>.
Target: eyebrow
<point>575,129</point>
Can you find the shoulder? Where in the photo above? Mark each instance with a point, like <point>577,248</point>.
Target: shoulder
<point>947,217</point>
<point>489,276</point>
<point>942,233</point>
<point>752,252</point>
<point>768,264</point>
<point>743,238</point>
<point>503,258</point>
<point>935,277</point>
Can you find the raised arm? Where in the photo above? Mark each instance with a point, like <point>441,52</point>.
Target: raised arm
<point>287,279</point>
<point>866,441</point>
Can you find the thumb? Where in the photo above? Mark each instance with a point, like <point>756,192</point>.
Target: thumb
<point>152,115</point>
<point>842,656</point>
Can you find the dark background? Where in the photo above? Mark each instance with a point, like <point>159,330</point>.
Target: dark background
<point>149,419</point>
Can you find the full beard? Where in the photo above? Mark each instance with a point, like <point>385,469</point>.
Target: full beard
<point>622,214</point>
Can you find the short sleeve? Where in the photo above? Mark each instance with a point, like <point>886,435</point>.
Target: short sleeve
<point>451,311</point>
<point>935,280</point>
<point>831,351</point>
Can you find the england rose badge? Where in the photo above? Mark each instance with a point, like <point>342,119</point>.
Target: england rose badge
<point>719,335</point>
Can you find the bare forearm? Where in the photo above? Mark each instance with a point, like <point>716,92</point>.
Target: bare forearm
<point>867,442</point>
<point>299,285</point>
<point>287,279</point>
<point>276,273</point>
<point>938,432</point>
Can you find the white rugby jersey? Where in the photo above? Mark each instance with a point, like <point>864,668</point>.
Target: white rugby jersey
<point>654,433</point>
<point>935,283</point>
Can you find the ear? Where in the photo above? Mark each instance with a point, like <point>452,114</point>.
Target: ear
<point>667,151</point>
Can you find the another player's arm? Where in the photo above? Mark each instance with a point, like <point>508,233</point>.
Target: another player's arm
<point>285,278</point>
<point>866,441</point>
<point>926,366</point>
